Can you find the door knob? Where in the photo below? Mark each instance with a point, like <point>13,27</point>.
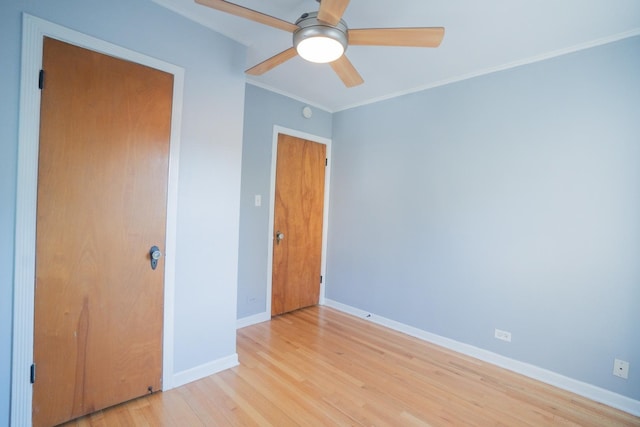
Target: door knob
<point>279,237</point>
<point>154,255</point>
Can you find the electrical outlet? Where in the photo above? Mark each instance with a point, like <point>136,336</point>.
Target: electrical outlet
<point>503,335</point>
<point>621,368</point>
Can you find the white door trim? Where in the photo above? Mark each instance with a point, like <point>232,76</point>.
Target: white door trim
<point>272,198</point>
<point>33,31</point>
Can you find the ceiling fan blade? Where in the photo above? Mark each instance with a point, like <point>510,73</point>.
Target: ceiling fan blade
<point>347,72</point>
<point>414,37</point>
<point>272,62</point>
<point>331,11</point>
<point>250,14</point>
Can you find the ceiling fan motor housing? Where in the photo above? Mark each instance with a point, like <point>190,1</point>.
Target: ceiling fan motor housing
<point>311,26</point>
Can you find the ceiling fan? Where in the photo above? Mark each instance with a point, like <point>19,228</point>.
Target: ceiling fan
<point>323,37</point>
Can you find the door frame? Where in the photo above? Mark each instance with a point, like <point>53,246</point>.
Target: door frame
<point>272,198</point>
<point>33,32</point>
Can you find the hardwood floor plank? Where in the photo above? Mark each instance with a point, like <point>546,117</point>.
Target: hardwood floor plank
<point>320,367</point>
<point>206,403</point>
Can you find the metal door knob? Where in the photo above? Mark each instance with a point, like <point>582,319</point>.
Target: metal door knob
<point>154,255</point>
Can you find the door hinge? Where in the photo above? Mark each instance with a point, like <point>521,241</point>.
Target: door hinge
<point>41,79</point>
<point>326,162</point>
<point>33,373</point>
<point>320,279</point>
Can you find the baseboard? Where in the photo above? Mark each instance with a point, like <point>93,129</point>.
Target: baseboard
<point>252,320</point>
<point>589,391</point>
<point>202,371</point>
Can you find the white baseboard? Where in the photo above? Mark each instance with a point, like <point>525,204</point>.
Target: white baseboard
<point>578,387</point>
<point>202,371</point>
<point>252,320</point>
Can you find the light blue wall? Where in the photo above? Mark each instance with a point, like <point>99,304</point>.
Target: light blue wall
<point>263,110</point>
<point>9,70</point>
<point>209,185</point>
<point>506,201</point>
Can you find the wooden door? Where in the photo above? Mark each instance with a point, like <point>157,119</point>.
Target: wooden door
<point>102,194</point>
<point>297,242</point>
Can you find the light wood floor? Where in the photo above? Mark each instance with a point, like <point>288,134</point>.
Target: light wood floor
<point>319,367</point>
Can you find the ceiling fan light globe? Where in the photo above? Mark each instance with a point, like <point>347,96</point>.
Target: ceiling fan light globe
<point>320,49</point>
<point>317,41</point>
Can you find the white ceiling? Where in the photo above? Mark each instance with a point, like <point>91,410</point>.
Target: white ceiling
<point>480,37</point>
